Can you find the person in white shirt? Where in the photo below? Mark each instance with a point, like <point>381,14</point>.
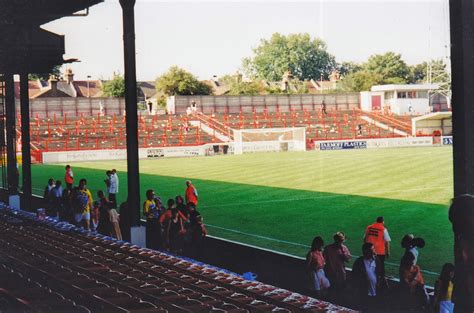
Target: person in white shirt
<point>113,188</point>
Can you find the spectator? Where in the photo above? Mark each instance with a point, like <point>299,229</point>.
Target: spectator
<point>153,226</point>
<point>411,245</point>
<point>104,225</point>
<point>69,177</point>
<point>181,205</point>
<point>193,213</point>
<point>336,255</point>
<point>174,232</point>
<point>114,188</point>
<point>55,200</point>
<point>412,284</point>
<point>107,180</point>
<point>114,219</point>
<point>95,215</point>
<point>197,234</point>
<point>444,290</point>
<point>66,201</point>
<point>378,235</point>
<point>82,204</point>
<point>323,108</point>
<point>191,193</point>
<point>315,265</point>
<point>168,212</point>
<point>47,189</point>
<point>368,279</point>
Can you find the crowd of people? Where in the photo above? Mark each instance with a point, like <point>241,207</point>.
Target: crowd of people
<point>75,204</point>
<point>177,227</point>
<point>326,266</point>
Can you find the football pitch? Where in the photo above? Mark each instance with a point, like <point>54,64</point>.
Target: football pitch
<point>280,201</point>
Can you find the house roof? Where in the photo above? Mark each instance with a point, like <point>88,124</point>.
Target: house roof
<point>34,88</point>
<point>218,88</point>
<point>148,88</point>
<point>91,88</point>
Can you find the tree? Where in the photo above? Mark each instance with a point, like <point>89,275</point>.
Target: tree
<point>177,81</point>
<point>440,75</point>
<point>346,68</point>
<point>55,71</point>
<point>389,66</point>
<point>359,81</point>
<point>304,57</point>
<point>115,87</point>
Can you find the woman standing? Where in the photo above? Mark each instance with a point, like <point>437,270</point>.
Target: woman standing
<point>315,263</point>
<point>174,232</point>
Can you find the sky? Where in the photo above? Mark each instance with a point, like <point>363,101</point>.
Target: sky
<point>212,38</point>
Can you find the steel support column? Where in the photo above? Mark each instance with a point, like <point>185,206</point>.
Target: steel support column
<point>133,203</point>
<point>462,60</point>
<point>25,140</point>
<point>12,171</point>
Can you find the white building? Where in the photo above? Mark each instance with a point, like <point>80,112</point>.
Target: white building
<point>398,99</point>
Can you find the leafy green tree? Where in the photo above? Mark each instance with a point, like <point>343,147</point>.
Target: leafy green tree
<point>440,75</point>
<point>55,71</point>
<point>346,68</point>
<point>389,66</point>
<point>304,57</point>
<point>359,81</point>
<point>177,81</point>
<point>114,87</point>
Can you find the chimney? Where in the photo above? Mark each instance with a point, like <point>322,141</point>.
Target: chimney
<point>69,76</point>
<point>53,83</point>
<point>335,76</point>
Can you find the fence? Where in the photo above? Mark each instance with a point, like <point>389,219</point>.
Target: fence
<point>270,103</point>
<point>74,107</point>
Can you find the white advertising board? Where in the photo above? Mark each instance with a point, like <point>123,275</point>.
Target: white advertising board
<point>121,154</point>
<point>373,143</point>
<point>83,155</point>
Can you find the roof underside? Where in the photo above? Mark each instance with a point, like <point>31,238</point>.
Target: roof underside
<point>435,116</point>
<point>24,46</point>
<point>38,12</point>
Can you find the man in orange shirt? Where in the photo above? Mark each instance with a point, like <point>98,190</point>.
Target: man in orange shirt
<point>191,193</point>
<point>377,235</point>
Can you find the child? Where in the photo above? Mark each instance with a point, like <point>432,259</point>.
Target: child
<point>114,219</point>
<point>95,215</point>
<point>69,177</point>
<point>444,290</point>
<point>315,263</point>
<point>104,225</point>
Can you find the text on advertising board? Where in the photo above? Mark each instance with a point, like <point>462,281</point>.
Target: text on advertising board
<point>343,145</point>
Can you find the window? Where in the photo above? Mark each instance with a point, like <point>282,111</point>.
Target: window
<point>411,94</point>
<point>422,94</point>
<point>389,95</point>
<point>401,95</point>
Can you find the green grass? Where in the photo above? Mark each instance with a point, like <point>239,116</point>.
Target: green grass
<point>280,201</point>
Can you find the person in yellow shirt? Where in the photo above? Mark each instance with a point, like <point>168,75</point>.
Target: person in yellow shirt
<point>444,290</point>
<point>152,211</point>
<point>82,203</point>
